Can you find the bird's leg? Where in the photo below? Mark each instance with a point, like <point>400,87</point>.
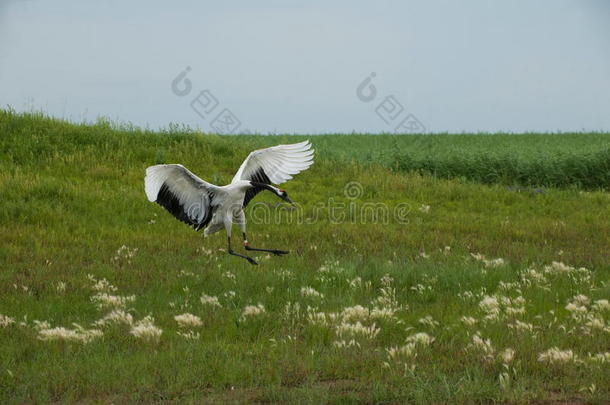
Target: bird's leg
<point>231,252</point>
<point>274,251</point>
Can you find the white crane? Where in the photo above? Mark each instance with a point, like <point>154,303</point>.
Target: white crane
<point>204,205</point>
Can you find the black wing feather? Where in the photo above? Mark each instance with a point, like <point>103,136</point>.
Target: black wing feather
<point>258,177</point>
<point>171,203</point>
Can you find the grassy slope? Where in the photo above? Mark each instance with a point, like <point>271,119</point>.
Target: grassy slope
<point>72,195</point>
<point>387,145</point>
<point>567,159</point>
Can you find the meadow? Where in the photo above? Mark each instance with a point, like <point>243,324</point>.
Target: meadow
<point>579,160</point>
<point>447,291</point>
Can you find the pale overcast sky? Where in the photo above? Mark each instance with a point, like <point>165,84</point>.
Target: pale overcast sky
<point>294,67</point>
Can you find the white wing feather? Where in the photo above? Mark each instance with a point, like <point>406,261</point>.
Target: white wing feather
<point>186,196</point>
<point>279,163</point>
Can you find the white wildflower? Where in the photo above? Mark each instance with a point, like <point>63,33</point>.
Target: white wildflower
<point>105,300</point>
<point>39,325</point>
<point>78,334</point>
<point>467,296</point>
<point>491,307</point>
<point>60,287</point>
<point>189,335</point>
<point>387,296</point>
<point>521,326</point>
<point>556,356</point>
<point>483,346</point>
<point>581,299</point>
<point>342,344</point>
<point>494,262</point>
<point>355,283</point>
<point>310,292</point>
<point>422,289</point>
<point>578,307</point>
<point>145,329</point>
<point>468,320</point>
<point>407,350</point>
<point>421,338</point>
<point>363,314</point>
<point>357,329</point>
<point>424,208</point>
<point>116,316</point>
<point>382,313</point>
<point>591,389</point>
<point>317,318</point>
<point>578,276</point>
<point>211,300</point>
<point>355,313</point>
<point>331,267</point>
<point>488,263</point>
<point>531,277</point>
<point>188,320</point>
<point>252,310</point>
<point>595,324</point>
<point>292,311</point>
<point>504,380</point>
<point>428,320</point>
<point>102,285</point>
<point>6,320</point>
<point>514,310</point>
<point>495,307</point>
<point>124,254</point>
<point>601,305</point>
<point>477,256</point>
<point>558,267</point>
<point>601,358</point>
<point>186,273</point>
<point>507,287</point>
<point>507,355</point>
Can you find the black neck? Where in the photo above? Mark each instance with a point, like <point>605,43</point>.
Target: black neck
<point>265,186</point>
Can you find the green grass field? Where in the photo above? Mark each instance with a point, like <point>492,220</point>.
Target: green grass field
<point>556,160</point>
<point>411,306</point>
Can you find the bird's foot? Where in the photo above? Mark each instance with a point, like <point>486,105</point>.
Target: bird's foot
<point>248,258</point>
<point>272,251</point>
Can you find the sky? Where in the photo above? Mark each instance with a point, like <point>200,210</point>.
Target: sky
<point>312,66</point>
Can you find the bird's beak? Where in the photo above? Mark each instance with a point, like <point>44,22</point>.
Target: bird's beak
<point>288,200</point>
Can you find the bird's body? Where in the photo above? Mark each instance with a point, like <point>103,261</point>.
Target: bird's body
<point>231,211</point>
<point>211,207</point>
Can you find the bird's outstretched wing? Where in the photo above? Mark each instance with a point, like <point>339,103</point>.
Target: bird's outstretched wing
<point>183,194</point>
<point>274,165</point>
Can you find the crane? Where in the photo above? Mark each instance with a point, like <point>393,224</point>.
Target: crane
<point>203,205</point>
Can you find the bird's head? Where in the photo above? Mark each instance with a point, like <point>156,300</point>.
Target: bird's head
<point>284,195</point>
